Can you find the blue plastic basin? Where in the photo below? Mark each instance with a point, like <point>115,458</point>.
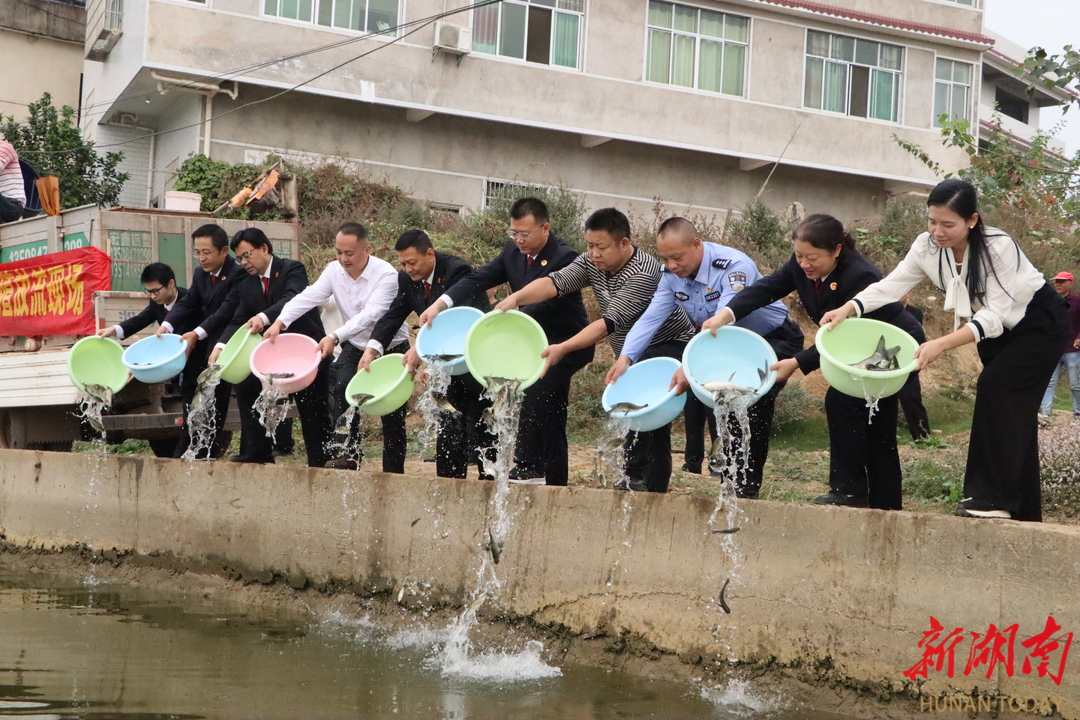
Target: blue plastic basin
<point>446,336</point>
<point>156,359</point>
<point>646,383</point>
<point>733,350</point>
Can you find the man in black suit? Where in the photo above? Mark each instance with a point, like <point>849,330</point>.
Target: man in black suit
<point>533,252</point>
<point>159,282</point>
<point>205,307</point>
<point>425,275</point>
<point>270,283</point>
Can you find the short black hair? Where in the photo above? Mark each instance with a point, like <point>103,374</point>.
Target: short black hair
<point>355,229</point>
<point>676,224</point>
<point>529,206</point>
<point>610,221</point>
<point>416,239</point>
<point>158,271</point>
<point>254,237</point>
<point>215,232</point>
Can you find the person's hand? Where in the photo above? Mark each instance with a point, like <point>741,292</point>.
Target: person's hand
<point>1076,343</point>
<point>785,369</point>
<point>370,355</point>
<point>161,331</point>
<point>552,354</point>
<point>510,303</point>
<point>679,383</point>
<point>106,332</point>
<point>412,361</point>
<point>274,330</point>
<point>33,344</point>
<point>326,345</point>
<point>434,309</point>
<point>928,352</point>
<point>214,354</point>
<point>255,325</point>
<point>833,318</point>
<point>190,338</point>
<point>719,320</point>
<point>621,365</point>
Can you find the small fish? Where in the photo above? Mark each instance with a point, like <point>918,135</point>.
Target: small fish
<point>716,447</point>
<point>142,364</point>
<point>623,484</point>
<point>495,548</point>
<point>348,423</point>
<point>727,531</point>
<point>413,523</point>
<point>882,359</point>
<point>443,403</point>
<point>726,388</point>
<point>402,594</point>
<point>724,605</point>
<point>361,398</point>
<point>612,444</point>
<point>443,358</point>
<point>626,407</point>
<point>212,372</point>
<point>475,604</point>
<point>100,393</point>
<point>279,375</point>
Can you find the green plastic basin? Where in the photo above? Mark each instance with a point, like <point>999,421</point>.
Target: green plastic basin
<point>854,341</point>
<point>389,382</point>
<point>235,358</point>
<point>97,361</point>
<point>506,345</point>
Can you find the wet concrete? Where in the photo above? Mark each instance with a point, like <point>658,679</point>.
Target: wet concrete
<point>845,594</point>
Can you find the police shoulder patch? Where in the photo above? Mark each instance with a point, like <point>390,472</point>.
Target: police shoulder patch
<point>721,263</point>
<point>737,280</point>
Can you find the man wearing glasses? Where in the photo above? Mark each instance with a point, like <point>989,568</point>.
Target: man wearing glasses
<point>532,253</point>
<point>206,308</point>
<point>159,282</point>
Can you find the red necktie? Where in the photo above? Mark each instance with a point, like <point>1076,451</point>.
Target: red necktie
<point>427,289</point>
<point>213,278</point>
<point>818,282</point>
<point>528,262</point>
<point>266,286</point>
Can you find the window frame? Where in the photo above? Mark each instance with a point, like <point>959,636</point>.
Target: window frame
<point>555,11</point>
<point>698,37</point>
<point>971,86</point>
<point>314,21</point>
<point>901,74</point>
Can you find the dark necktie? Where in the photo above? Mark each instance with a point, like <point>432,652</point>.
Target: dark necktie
<point>266,287</point>
<point>818,282</point>
<point>427,289</point>
<point>528,262</point>
<point>213,279</point>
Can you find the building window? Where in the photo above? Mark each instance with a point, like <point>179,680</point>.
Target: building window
<point>547,32</point>
<point>360,15</point>
<point>697,48</point>
<point>853,76</point>
<point>952,91</point>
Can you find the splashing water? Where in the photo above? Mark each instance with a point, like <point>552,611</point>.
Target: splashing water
<point>93,402</point>
<point>740,698</point>
<point>202,423</point>
<point>611,454</point>
<point>871,400</point>
<point>272,406</point>
<point>348,438</point>
<point>433,404</point>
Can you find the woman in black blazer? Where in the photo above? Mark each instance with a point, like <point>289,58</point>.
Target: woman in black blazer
<point>826,271</point>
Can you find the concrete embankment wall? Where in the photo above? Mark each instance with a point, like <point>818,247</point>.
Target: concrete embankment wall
<point>848,591</point>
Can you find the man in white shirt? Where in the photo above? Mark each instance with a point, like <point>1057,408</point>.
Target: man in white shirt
<point>363,288</point>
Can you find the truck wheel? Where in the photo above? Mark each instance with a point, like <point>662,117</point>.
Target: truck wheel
<point>162,447</point>
<point>5,429</point>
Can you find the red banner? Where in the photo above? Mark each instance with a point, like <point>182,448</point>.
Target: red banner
<point>53,294</point>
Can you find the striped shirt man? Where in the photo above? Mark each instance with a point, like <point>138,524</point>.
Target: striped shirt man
<point>11,177</point>
<point>623,296</point>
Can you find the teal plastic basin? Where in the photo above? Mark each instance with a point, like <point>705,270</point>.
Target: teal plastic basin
<point>855,340</point>
<point>506,345</point>
<point>646,383</point>
<point>733,350</point>
<point>389,382</point>
<point>97,361</point>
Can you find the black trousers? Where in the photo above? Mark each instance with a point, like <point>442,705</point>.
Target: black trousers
<point>760,416</point>
<point>910,397</point>
<point>10,211</point>
<point>1003,453</point>
<point>541,440</point>
<point>696,416</point>
<point>311,405</point>
<point>196,364</point>
<point>648,454</point>
<point>863,459</point>
<point>393,425</point>
<point>462,438</point>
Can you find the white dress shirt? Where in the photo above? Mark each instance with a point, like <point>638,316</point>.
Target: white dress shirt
<point>120,331</point>
<point>361,302</point>
<point>1010,283</point>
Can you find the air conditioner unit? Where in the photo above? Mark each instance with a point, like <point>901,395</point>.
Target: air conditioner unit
<point>452,39</point>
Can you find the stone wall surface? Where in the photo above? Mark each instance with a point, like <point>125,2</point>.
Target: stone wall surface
<point>847,590</point>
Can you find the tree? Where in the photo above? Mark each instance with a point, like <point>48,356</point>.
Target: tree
<point>50,141</point>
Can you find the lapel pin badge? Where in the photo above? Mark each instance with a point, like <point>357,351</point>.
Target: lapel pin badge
<point>543,263</point>
<point>832,286</point>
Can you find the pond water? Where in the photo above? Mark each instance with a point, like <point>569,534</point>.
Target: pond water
<point>101,652</point>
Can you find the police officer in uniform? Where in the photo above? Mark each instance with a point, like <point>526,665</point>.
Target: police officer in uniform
<point>701,277</point>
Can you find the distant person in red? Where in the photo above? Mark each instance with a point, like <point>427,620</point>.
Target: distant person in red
<point>1070,351</point>
<point>12,189</point>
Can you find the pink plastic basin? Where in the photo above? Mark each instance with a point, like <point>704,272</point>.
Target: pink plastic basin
<point>287,353</point>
